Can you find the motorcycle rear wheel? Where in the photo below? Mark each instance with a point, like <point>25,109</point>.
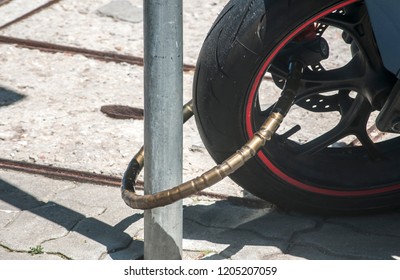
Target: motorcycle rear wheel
<point>324,173</point>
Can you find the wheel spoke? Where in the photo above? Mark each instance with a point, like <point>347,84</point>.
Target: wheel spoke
<point>353,122</point>
<point>369,145</point>
<point>344,101</point>
<point>356,23</point>
<point>351,77</point>
<point>278,70</point>
<point>347,77</point>
<point>323,141</point>
<point>342,21</point>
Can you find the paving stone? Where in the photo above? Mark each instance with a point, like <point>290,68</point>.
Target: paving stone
<point>123,219</point>
<point>17,8</point>
<point>90,240</point>
<point>214,257</point>
<point>32,228</point>
<point>7,255</point>
<point>93,195</point>
<point>242,244</point>
<point>249,252</point>
<point>13,199</point>
<point>309,253</point>
<point>105,236</point>
<point>224,229</point>
<point>285,257</point>
<point>122,10</point>
<point>194,255</point>
<point>265,222</point>
<point>134,251</point>
<point>211,240</point>
<point>348,244</point>
<point>7,216</point>
<point>222,214</point>
<point>377,224</point>
<point>27,192</point>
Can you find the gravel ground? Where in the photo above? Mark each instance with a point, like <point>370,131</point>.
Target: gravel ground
<point>78,23</point>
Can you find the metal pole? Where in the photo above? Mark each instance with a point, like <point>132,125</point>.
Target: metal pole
<point>163,99</point>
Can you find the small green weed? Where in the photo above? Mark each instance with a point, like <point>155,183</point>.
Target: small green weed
<point>36,250</point>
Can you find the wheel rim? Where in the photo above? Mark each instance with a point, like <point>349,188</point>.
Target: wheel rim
<point>315,165</point>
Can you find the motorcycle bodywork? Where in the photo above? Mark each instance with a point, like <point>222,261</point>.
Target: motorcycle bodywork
<point>384,18</point>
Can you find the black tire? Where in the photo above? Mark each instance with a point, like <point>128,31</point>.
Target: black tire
<point>243,41</point>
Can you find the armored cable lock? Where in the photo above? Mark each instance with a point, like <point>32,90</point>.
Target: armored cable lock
<point>220,171</point>
<point>304,53</point>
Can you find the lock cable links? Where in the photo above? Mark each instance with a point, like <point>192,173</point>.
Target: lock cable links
<point>220,171</point>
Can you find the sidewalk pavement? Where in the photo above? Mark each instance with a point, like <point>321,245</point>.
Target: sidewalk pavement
<point>49,107</point>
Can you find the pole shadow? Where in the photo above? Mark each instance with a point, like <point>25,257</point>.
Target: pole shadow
<point>9,97</point>
<point>112,237</point>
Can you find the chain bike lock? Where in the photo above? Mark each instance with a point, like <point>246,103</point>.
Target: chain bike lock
<point>220,171</point>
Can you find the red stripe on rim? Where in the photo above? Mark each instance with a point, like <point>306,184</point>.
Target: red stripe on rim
<point>250,132</point>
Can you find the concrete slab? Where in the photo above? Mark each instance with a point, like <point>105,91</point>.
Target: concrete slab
<point>93,238</point>
<point>123,10</point>
<point>372,224</point>
<point>344,243</point>
<point>72,225</point>
<point>16,8</point>
<point>23,255</point>
<point>78,23</point>
<point>91,222</point>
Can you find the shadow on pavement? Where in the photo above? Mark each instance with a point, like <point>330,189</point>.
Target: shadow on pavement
<point>264,233</point>
<point>236,232</point>
<point>8,97</point>
<point>112,237</point>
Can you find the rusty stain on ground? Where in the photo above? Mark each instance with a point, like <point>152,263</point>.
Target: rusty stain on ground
<point>122,112</point>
